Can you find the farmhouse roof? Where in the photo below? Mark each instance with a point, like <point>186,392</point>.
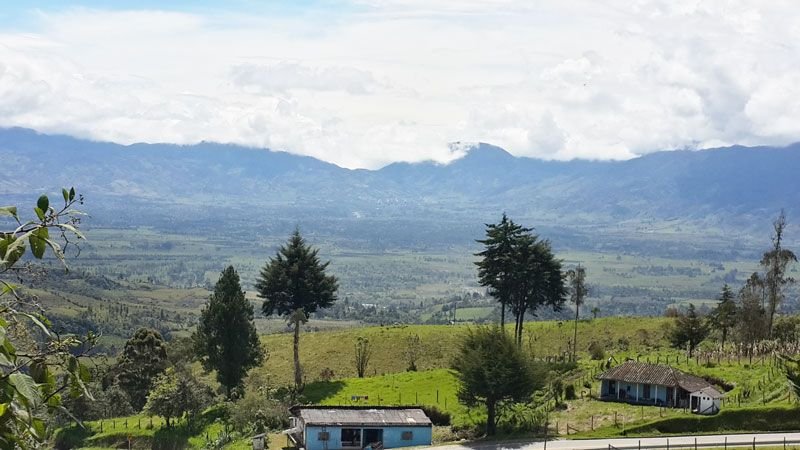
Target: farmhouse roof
<point>709,391</point>
<point>658,374</point>
<point>370,416</point>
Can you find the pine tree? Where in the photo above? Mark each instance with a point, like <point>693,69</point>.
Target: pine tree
<point>226,339</point>
<point>293,285</point>
<point>689,331</point>
<point>492,370</point>
<point>536,280</point>
<point>724,316</point>
<point>497,262</point>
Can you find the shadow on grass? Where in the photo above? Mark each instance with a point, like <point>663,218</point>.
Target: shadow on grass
<point>318,391</point>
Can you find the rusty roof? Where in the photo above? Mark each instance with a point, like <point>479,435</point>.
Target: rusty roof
<point>359,416</point>
<point>644,373</point>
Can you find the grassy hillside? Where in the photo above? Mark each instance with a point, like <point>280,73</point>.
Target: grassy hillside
<point>753,385</point>
<point>334,349</point>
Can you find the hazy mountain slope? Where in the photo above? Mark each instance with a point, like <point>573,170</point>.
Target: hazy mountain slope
<point>697,185</point>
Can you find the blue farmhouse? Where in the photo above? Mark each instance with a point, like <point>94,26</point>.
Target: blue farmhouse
<point>339,428</point>
<point>656,384</point>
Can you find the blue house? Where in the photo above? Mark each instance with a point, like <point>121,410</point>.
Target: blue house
<point>655,384</point>
<point>340,428</point>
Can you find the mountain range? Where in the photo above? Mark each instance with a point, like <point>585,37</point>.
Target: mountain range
<point>738,188</point>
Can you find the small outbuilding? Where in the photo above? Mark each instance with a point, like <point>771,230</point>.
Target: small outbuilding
<point>655,384</point>
<point>341,428</point>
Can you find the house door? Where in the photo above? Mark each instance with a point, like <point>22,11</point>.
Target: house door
<point>695,403</point>
<point>612,388</point>
<point>670,396</point>
<point>372,436</point>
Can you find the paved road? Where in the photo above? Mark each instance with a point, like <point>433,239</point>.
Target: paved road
<point>761,439</point>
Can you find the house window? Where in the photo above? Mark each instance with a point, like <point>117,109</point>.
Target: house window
<point>407,435</point>
<point>351,437</point>
<point>646,391</point>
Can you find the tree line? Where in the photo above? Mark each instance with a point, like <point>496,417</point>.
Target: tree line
<point>749,314</point>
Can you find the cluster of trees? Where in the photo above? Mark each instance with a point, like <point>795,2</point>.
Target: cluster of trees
<point>520,271</point>
<point>750,315</point>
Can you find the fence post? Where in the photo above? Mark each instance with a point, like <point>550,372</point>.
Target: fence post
<point>754,443</point>
<point>667,443</point>
<point>695,443</point>
<point>726,442</point>
<point>592,424</point>
<point>437,396</point>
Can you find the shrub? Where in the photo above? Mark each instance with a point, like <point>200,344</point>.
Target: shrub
<point>437,416</point>
<point>569,392</point>
<point>326,374</point>
<point>596,351</point>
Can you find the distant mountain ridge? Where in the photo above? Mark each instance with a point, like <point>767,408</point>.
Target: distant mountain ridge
<point>730,185</point>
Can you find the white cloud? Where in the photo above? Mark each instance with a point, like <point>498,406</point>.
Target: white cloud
<point>399,80</point>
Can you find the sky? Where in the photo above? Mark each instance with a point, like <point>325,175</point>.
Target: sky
<point>364,83</point>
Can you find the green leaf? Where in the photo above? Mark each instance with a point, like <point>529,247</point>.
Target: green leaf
<point>39,323</point>
<point>54,401</point>
<point>71,228</point>
<point>72,193</point>
<point>26,387</point>
<point>3,409</point>
<point>9,211</point>
<point>65,194</point>
<point>38,240</point>
<point>5,361</point>
<point>43,203</point>
<point>6,288</point>
<point>38,428</point>
<point>12,249</point>
<point>39,213</point>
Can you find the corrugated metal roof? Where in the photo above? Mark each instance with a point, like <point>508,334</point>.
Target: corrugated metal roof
<point>644,373</point>
<point>368,416</point>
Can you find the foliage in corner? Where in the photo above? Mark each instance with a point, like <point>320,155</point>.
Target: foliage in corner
<point>38,366</point>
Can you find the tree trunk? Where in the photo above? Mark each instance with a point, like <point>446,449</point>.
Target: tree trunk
<point>575,334</point>
<point>491,417</point>
<point>298,376</point>
<point>502,314</point>
<point>520,325</point>
<point>724,335</point>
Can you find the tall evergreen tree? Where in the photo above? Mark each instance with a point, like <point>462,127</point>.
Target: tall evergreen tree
<point>497,264</point>
<point>724,316</point>
<point>751,325</point>
<point>689,331</point>
<point>226,339</point>
<point>492,370</point>
<point>536,280</point>
<point>293,285</point>
<point>775,263</point>
<point>143,359</point>
<point>578,292</point>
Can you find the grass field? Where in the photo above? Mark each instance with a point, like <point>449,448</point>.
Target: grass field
<point>753,385</point>
<point>334,349</point>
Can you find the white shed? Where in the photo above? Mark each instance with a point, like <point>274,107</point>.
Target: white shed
<point>705,401</point>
